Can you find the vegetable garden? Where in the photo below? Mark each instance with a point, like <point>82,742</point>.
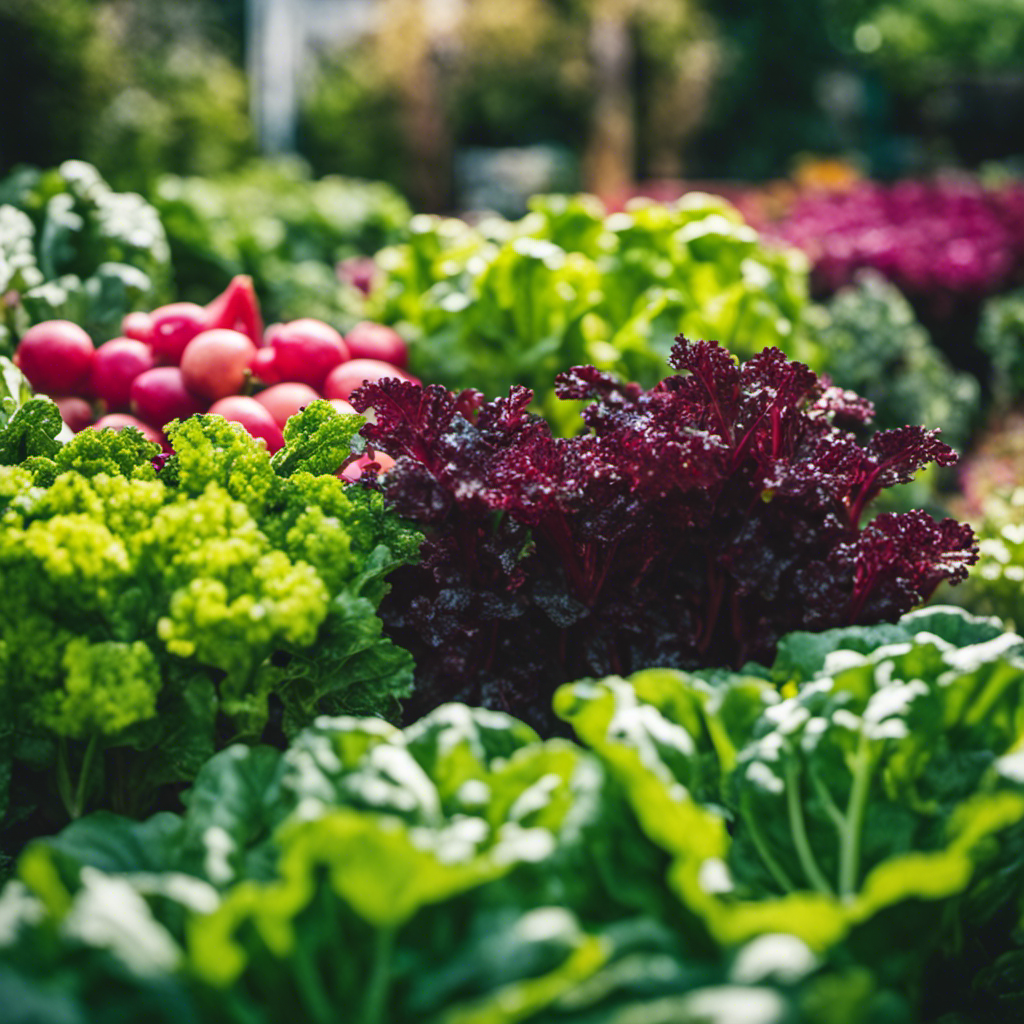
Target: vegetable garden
<point>606,616</point>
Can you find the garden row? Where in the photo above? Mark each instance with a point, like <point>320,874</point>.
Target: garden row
<point>675,748</point>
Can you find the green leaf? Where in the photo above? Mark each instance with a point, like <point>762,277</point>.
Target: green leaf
<point>318,439</point>
<point>118,845</point>
<point>32,430</point>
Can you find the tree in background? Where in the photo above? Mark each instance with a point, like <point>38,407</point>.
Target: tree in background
<point>137,87</point>
<point>621,82</point>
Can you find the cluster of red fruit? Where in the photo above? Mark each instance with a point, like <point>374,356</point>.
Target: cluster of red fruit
<point>183,359</point>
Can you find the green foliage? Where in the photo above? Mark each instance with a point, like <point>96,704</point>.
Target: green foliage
<point>996,585</point>
<point>30,427</point>
<point>428,875</point>
<point>873,344</point>
<point>860,806</point>
<point>137,88</point>
<point>73,249</point>
<point>147,618</point>
<point>515,303</point>
<point>271,221</point>
<point>351,118</point>
<point>1001,335</point>
<point>913,39</point>
<point>724,853</point>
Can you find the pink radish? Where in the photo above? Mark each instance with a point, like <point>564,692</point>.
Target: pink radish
<point>120,420</point>
<point>342,406</point>
<point>344,379</point>
<point>174,326</point>
<point>56,356</point>
<point>263,367</point>
<point>116,364</point>
<point>214,363</point>
<point>251,415</point>
<point>285,400</point>
<point>75,412</point>
<point>138,325</point>
<point>306,351</point>
<point>368,340</point>
<point>159,396</point>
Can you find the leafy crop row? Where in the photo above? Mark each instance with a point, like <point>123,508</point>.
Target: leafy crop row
<point>847,850</point>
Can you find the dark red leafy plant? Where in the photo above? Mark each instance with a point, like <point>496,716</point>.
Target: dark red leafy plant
<point>691,525</point>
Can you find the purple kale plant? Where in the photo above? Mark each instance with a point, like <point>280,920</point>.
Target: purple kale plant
<point>689,525</point>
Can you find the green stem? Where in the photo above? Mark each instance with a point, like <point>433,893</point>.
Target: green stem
<point>799,829</point>
<point>849,851</point>
<point>82,789</point>
<point>375,1001</point>
<point>773,866</point>
<point>317,1002</point>
<point>64,777</point>
<point>822,792</point>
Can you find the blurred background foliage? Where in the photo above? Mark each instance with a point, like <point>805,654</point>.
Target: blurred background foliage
<point>701,88</point>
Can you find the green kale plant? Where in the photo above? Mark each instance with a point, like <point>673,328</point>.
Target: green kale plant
<point>1001,336</point>
<point>872,343</point>
<point>151,615</point>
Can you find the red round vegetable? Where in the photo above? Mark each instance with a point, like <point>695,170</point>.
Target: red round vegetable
<point>138,325</point>
<point>285,400</point>
<point>159,396</point>
<point>354,470</point>
<point>368,340</point>
<point>116,364</point>
<point>344,379</point>
<point>120,420</point>
<point>251,415</point>
<point>214,363</point>
<point>74,411</point>
<point>56,356</point>
<point>306,351</point>
<point>263,367</point>
<point>174,326</point>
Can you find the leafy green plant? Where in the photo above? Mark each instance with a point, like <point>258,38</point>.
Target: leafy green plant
<point>73,249</point>
<point>873,803</point>
<point>1001,335</point>
<point>513,303</point>
<point>913,39</point>
<point>996,586</point>
<point>444,874</point>
<point>839,851</point>
<point>151,615</point>
<point>873,344</point>
<point>270,220</point>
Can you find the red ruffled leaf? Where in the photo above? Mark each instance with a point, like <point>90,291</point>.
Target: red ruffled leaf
<point>694,524</point>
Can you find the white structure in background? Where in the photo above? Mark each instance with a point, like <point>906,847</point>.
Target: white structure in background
<point>280,33</point>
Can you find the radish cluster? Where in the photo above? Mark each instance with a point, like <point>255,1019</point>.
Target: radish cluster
<point>183,359</point>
